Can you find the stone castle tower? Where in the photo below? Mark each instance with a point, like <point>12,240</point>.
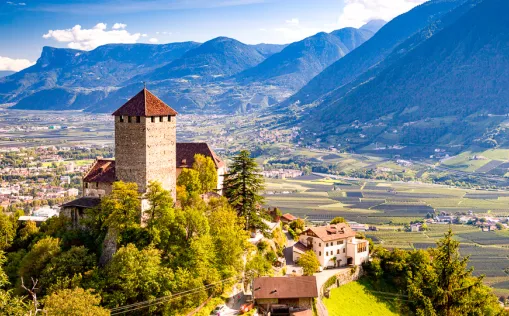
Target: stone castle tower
<point>145,142</point>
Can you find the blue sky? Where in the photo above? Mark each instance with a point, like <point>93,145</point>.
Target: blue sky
<point>28,25</point>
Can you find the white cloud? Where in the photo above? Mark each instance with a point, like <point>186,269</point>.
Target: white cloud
<point>10,64</point>
<point>118,26</point>
<point>153,40</point>
<point>144,35</point>
<point>293,22</point>
<point>88,39</point>
<point>16,3</point>
<point>293,30</point>
<point>358,12</point>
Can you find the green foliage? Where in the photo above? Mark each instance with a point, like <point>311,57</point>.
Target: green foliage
<point>77,302</point>
<point>258,266</point>
<point>8,227</point>
<point>309,262</point>
<point>437,281</point>
<point>160,213</point>
<point>297,224</point>
<point>190,179</point>
<point>338,220</point>
<point>135,275</point>
<point>36,259</point>
<point>66,267</point>
<point>121,209</point>
<point>207,173</point>
<point>9,303</point>
<point>242,186</point>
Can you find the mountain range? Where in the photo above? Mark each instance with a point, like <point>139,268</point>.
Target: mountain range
<point>220,75</point>
<point>443,84</point>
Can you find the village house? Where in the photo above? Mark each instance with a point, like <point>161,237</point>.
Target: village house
<point>285,295</point>
<point>146,150</point>
<point>334,245</point>
<point>287,218</point>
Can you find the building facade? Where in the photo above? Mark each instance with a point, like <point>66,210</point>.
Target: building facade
<point>334,245</point>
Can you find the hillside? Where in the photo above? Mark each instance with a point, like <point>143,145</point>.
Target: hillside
<point>373,51</point>
<point>222,75</point>
<point>453,80</point>
<point>219,57</point>
<point>299,62</point>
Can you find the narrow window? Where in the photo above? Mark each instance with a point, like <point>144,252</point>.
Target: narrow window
<point>160,118</point>
<point>344,250</point>
<point>97,184</point>
<point>327,245</point>
<point>338,252</point>
<point>138,119</point>
<point>169,118</point>
<point>86,185</point>
<point>121,119</point>
<point>319,253</point>
<point>338,242</point>
<point>319,244</point>
<point>152,119</point>
<point>129,119</point>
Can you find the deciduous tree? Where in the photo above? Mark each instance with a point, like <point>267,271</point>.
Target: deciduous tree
<point>309,262</point>
<point>207,173</point>
<point>77,302</point>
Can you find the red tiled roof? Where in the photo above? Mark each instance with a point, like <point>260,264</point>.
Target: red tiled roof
<point>332,232</point>
<point>186,152</point>
<point>289,217</point>
<point>145,104</point>
<point>103,170</point>
<point>285,287</point>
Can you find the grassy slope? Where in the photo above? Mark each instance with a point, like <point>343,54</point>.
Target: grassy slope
<point>355,299</point>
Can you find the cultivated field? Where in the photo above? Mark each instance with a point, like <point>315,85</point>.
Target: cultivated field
<point>389,205</point>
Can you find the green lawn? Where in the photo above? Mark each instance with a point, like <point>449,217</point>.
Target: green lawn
<point>355,299</point>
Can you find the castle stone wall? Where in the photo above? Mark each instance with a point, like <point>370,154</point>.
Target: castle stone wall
<point>146,151</point>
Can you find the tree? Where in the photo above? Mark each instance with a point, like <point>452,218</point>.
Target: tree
<point>160,212</point>
<point>9,303</point>
<point>118,212</point>
<point>8,227</point>
<point>228,237</point>
<point>65,268</point>
<point>190,179</point>
<point>337,220</point>
<point>297,224</point>
<point>135,275</point>
<point>309,262</point>
<point>445,286</point>
<point>77,302</point>
<point>242,186</point>
<point>207,173</point>
<point>36,259</point>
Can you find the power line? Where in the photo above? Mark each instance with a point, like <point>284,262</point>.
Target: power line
<point>164,299</point>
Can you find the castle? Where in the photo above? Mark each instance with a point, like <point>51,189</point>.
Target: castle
<point>146,150</point>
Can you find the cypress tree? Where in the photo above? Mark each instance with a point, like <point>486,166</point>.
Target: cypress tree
<point>242,185</point>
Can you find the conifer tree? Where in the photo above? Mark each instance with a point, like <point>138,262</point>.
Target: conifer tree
<point>242,186</point>
<point>446,286</point>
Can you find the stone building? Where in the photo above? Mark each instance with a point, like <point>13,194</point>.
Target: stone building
<point>285,295</point>
<point>146,150</point>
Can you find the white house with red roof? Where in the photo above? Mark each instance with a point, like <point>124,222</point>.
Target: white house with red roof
<point>334,245</point>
